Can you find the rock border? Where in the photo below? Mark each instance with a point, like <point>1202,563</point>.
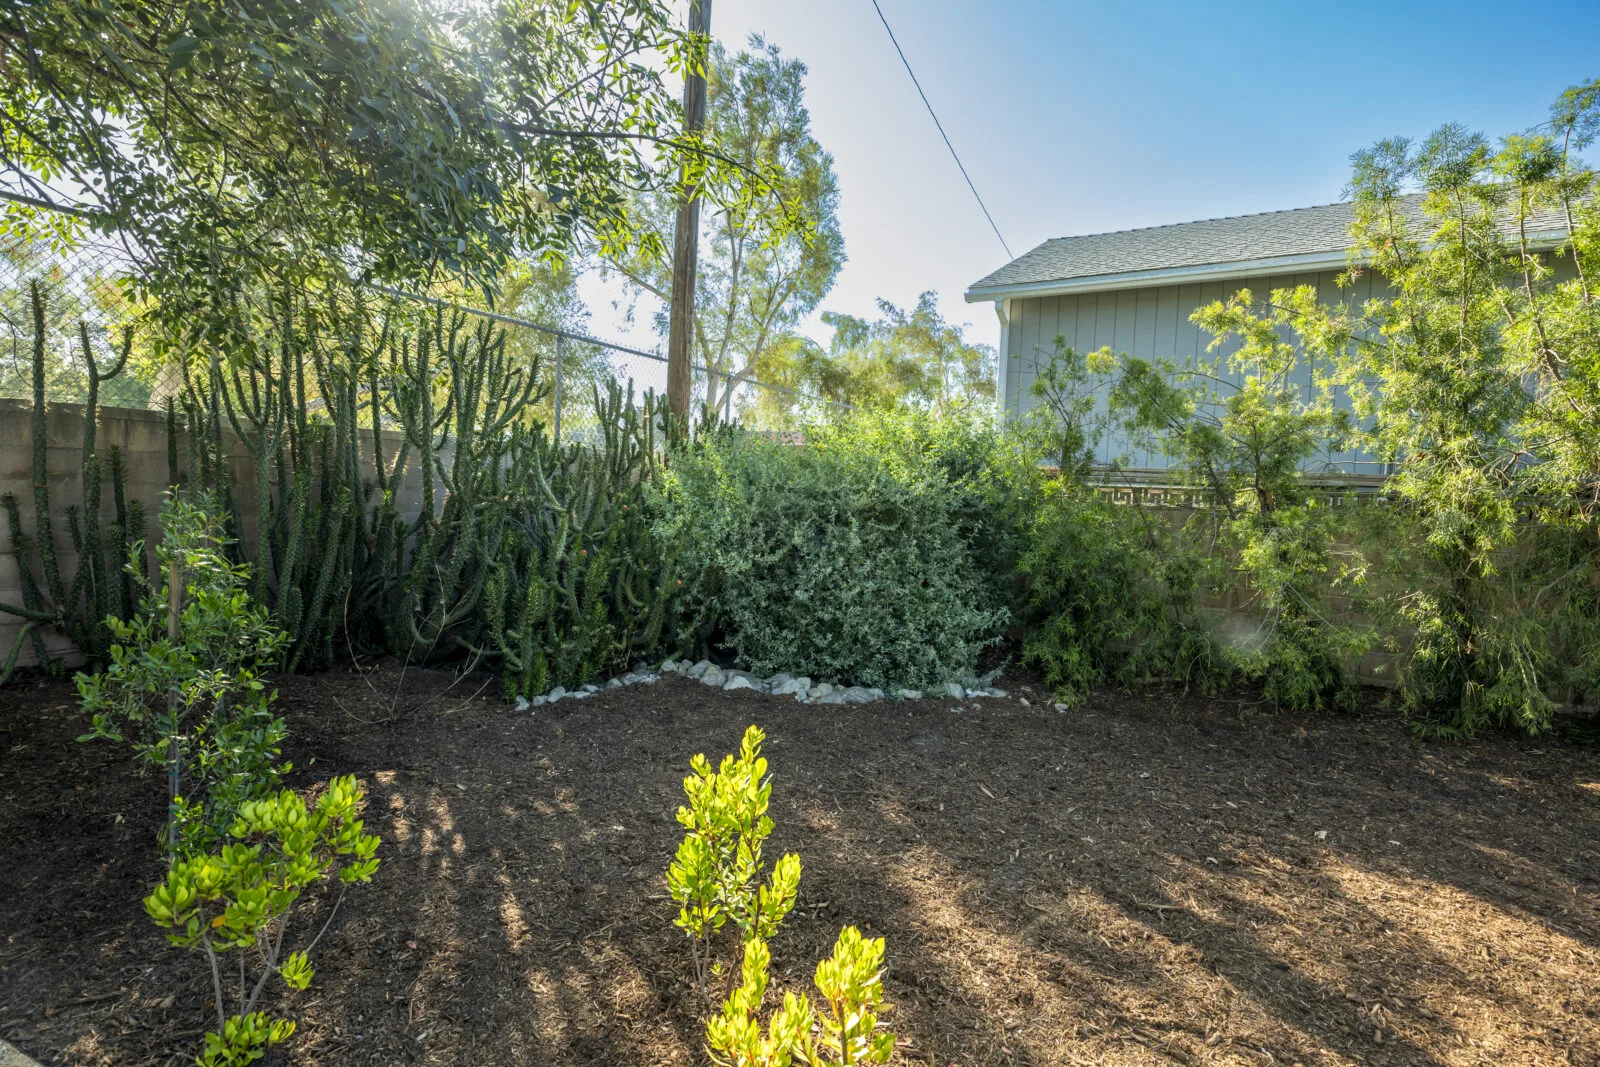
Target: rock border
<point>800,687</point>
<point>11,1056</point>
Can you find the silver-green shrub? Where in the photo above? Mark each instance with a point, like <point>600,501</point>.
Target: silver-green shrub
<point>838,558</point>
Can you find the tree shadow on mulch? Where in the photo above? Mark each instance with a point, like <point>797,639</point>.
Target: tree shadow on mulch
<point>1148,878</point>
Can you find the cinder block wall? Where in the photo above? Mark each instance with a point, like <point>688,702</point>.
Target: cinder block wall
<point>142,437</point>
<point>1233,610</point>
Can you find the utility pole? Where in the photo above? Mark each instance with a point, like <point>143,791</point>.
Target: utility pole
<point>686,245</point>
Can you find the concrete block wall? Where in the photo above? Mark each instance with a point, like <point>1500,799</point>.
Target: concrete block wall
<point>142,437</point>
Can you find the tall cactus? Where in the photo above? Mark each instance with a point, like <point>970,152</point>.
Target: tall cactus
<point>486,399</point>
<point>588,590</point>
<point>532,558</point>
<point>98,587</point>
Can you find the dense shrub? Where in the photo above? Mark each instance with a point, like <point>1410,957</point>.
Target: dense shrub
<point>853,557</point>
<point>991,478</point>
<point>1109,596</point>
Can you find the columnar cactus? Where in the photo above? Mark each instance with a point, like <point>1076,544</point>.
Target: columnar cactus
<point>528,557</point>
<point>98,586</point>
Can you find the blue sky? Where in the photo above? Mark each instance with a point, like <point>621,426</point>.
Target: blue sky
<point>1084,117</point>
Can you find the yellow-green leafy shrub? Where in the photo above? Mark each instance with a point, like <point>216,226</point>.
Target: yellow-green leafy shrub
<point>239,901</point>
<point>716,878</point>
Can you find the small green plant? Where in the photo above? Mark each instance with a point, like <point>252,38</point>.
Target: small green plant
<point>716,878</point>
<point>717,874</point>
<point>182,683</point>
<point>845,1033</point>
<point>241,898</point>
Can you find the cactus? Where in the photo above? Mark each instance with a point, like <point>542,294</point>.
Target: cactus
<point>98,586</point>
<point>592,584</point>
<point>529,557</point>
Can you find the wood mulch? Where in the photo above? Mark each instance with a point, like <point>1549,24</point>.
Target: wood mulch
<point>1150,878</point>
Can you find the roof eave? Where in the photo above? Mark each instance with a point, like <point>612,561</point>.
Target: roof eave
<point>1335,259</point>
<point>1139,279</point>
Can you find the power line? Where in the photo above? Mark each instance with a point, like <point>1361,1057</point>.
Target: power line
<point>940,125</point>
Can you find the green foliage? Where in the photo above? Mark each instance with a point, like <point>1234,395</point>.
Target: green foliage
<point>831,558</point>
<point>1247,440</point>
<point>580,583</point>
<point>182,684</point>
<point>716,878</point>
<point>717,874</point>
<point>239,900</point>
<point>1112,589</point>
<point>1107,592</point>
<point>241,148</point>
<point>1109,595</point>
<point>536,559</point>
<point>734,1036</point>
<point>758,275</point>
<point>1480,372</point>
<point>533,558</point>
<point>989,481</point>
<point>850,986</point>
<point>906,355</point>
<point>1475,373</point>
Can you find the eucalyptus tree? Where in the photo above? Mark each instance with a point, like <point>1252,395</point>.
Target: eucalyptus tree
<point>909,355</point>
<point>770,254</point>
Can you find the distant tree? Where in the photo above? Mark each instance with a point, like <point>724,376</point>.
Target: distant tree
<point>913,357</point>
<point>759,273</point>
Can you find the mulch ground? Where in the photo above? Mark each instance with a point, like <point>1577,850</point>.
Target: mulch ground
<point>1151,878</point>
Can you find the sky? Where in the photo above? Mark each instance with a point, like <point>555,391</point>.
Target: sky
<point>1078,118</point>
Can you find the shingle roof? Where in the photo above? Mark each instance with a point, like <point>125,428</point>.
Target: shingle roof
<point>1239,239</point>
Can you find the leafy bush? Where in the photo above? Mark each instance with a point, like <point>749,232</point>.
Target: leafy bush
<point>716,875</point>
<point>1109,594</point>
<point>183,685</point>
<point>845,1033</point>
<point>1246,445</point>
<point>716,878</point>
<point>991,478</point>
<point>834,558</point>
<point>240,899</point>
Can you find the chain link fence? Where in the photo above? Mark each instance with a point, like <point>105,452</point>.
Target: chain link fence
<point>87,300</point>
<point>88,313</point>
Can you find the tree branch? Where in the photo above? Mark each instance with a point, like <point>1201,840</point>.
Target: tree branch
<point>48,205</point>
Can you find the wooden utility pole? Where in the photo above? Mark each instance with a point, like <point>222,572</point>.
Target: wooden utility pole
<point>686,245</point>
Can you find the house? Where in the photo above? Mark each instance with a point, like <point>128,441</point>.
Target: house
<point>1134,290</point>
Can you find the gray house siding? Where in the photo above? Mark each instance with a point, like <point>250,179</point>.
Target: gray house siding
<point>1151,322</point>
<point>1134,290</point>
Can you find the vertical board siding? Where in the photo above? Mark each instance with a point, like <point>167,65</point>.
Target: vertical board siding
<point>1153,323</point>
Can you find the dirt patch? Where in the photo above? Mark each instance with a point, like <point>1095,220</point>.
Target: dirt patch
<point>1148,879</point>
